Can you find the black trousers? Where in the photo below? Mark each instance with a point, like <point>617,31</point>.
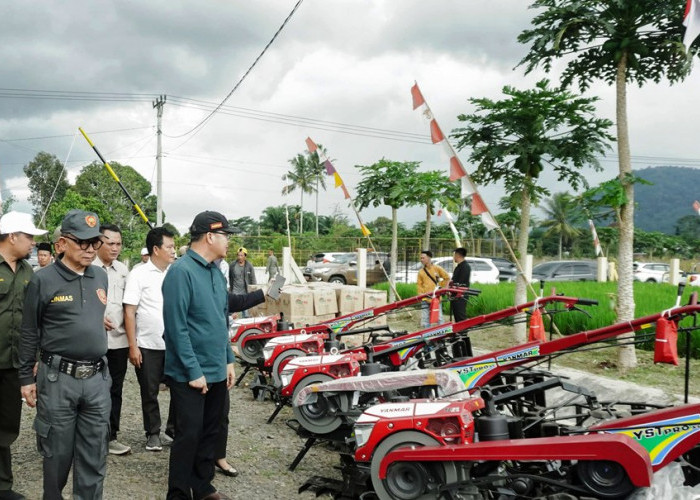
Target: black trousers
<point>222,440</point>
<point>150,376</point>
<point>197,429</point>
<point>117,360</point>
<point>10,415</point>
<point>459,309</point>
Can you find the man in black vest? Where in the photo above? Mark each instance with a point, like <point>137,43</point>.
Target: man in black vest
<point>460,277</point>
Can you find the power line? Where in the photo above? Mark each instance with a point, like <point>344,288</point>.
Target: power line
<point>71,135</point>
<point>198,127</point>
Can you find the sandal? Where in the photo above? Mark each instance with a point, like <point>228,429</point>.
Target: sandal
<point>230,471</point>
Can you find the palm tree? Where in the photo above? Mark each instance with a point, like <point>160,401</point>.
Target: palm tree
<point>307,176</point>
<point>319,174</point>
<point>561,214</point>
<point>301,177</point>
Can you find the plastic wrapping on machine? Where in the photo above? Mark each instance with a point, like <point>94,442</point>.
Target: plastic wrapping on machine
<point>667,483</point>
<point>448,381</point>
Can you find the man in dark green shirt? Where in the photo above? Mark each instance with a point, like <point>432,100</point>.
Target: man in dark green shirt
<point>198,357</point>
<point>17,233</point>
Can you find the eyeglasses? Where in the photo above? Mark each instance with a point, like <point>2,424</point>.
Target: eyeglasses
<point>96,243</point>
<point>222,233</point>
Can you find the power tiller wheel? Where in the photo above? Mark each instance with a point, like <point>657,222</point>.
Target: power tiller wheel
<point>251,351</point>
<point>318,417</point>
<point>604,478</point>
<point>410,480</point>
<point>281,361</point>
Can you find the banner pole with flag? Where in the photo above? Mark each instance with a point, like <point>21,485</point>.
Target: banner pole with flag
<point>458,172</point>
<point>331,170</point>
<point>691,21</point>
<point>596,241</point>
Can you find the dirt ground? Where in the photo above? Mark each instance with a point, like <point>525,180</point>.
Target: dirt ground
<point>259,451</point>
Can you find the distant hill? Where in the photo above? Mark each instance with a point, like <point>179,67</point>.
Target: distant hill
<point>670,197</point>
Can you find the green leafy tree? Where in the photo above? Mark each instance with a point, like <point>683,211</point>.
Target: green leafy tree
<point>617,41</point>
<point>274,219</point>
<point>7,204</point>
<point>384,183</point>
<point>562,215</point>
<point>74,200</point>
<point>95,183</point>
<point>424,189</point>
<point>47,182</point>
<point>247,225</point>
<point>688,227</point>
<point>515,139</point>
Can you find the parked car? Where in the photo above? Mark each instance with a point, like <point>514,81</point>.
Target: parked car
<point>326,257</point>
<point>507,271</point>
<point>566,270</point>
<point>651,272</point>
<point>343,269</point>
<point>482,270</point>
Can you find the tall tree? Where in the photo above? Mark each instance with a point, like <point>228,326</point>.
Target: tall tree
<point>95,183</point>
<point>384,183</point>
<point>307,176</point>
<point>562,216</point>
<point>425,188</point>
<point>516,138</point>
<point>274,219</point>
<point>47,182</point>
<point>617,41</point>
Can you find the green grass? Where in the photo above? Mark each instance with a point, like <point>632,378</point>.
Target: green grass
<point>650,298</point>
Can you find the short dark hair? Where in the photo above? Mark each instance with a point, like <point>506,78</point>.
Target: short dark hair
<point>428,253</point>
<point>44,247</point>
<point>154,238</point>
<point>110,227</point>
<point>461,251</point>
<point>3,237</point>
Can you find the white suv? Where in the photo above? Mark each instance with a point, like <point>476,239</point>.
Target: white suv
<point>482,270</point>
<point>651,272</point>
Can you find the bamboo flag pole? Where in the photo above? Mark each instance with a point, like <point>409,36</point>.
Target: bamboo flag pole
<point>457,171</point>
<point>331,170</point>
<point>135,205</point>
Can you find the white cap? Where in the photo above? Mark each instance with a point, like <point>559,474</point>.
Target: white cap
<point>144,251</point>
<point>18,222</point>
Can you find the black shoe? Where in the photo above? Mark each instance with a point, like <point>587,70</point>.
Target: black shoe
<point>230,471</point>
<point>11,495</point>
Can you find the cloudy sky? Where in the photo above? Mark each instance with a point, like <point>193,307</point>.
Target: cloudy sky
<point>340,72</point>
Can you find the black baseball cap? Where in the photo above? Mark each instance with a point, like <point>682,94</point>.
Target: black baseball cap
<point>81,224</point>
<point>209,222</point>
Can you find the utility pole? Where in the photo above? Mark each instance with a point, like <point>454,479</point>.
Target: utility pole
<point>158,104</point>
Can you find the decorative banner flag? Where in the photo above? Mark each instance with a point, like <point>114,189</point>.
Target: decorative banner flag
<point>338,180</point>
<point>691,21</point>
<point>330,169</point>
<point>366,232</point>
<point>456,170</point>
<point>596,242</point>
<point>311,145</point>
<point>696,206</point>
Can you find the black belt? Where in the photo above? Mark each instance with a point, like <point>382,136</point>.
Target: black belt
<point>74,368</point>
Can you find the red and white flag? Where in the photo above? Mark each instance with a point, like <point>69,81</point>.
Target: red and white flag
<point>691,21</point>
<point>696,206</point>
<point>596,241</point>
<point>456,169</point>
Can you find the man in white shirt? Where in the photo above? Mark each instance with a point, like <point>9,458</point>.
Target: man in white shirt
<point>143,319</point>
<point>117,343</point>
